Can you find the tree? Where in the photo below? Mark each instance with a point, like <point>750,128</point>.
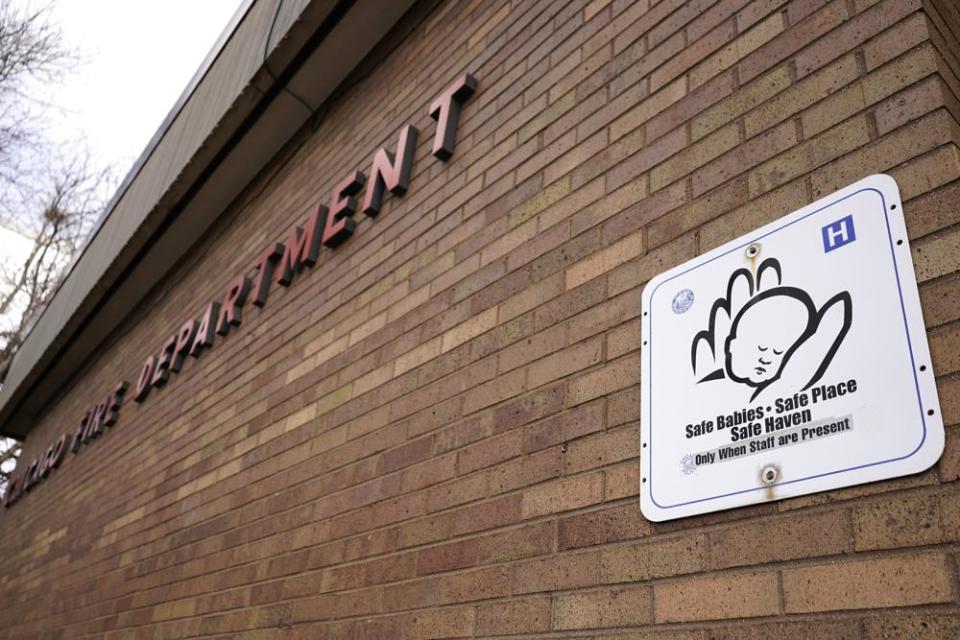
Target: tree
<point>56,225</point>
<point>49,194</point>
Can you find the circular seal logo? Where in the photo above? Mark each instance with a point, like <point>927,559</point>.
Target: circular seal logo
<point>682,301</point>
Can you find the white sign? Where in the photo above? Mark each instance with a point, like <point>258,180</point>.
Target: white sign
<point>791,360</point>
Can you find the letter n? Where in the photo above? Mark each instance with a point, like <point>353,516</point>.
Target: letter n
<point>392,173</point>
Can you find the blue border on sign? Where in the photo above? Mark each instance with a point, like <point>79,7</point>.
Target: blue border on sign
<point>906,328</point>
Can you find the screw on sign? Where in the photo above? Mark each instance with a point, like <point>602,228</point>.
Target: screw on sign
<point>769,474</point>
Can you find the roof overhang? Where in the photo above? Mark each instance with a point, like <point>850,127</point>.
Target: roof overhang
<point>274,65</point>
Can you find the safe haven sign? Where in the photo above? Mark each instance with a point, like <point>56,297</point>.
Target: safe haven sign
<point>792,360</point>
<point>327,225</point>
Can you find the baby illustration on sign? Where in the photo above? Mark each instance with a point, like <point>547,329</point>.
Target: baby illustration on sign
<point>763,333</point>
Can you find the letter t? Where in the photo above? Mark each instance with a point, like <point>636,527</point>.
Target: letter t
<point>446,111</point>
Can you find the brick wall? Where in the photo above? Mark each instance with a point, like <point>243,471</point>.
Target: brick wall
<point>433,432</point>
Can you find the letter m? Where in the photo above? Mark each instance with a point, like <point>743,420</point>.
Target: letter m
<point>302,247</point>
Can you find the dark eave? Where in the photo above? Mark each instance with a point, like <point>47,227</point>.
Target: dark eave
<point>274,65</point>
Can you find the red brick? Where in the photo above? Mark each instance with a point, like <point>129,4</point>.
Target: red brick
<point>950,460</point>
<point>523,542</point>
<point>471,586</point>
<point>614,376</point>
<point>661,558</point>
<point>900,38</point>
<point>533,406</point>
<point>518,615</point>
<point>611,524</point>
<point>792,40</point>
<point>853,32</point>
<point>533,347</point>
<point>579,421</point>
<point>446,557</point>
<point>719,596</point>
<point>775,540</point>
<point>799,630</point>
<point>945,349</point>
<point>563,495</point>
<point>526,471</point>
<point>567,571</point>
<point>744,156</point>
<point>936,208</point>
<point>947,389</point>
<point>904,627</point>
<point>602,449</point>
<point>449,622</point>
<point>622,481</point>
<point>867,584</point>
<point>489,452</point>
<point>897,522</point>
<point>630,606</point>
<point>913,102</point>
<point>564,363</point>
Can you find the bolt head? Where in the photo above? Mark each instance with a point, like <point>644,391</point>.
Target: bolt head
<point>769,474</point>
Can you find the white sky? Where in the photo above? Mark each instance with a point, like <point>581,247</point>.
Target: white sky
<point>14,249</point>
<point>138,56</point>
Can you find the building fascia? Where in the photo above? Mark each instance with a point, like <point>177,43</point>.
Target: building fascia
<point>274,66</point>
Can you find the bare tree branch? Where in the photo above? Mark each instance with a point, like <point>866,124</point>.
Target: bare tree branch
<point>49,195</point>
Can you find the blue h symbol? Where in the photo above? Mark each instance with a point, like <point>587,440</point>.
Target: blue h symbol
<point>836,234</point>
